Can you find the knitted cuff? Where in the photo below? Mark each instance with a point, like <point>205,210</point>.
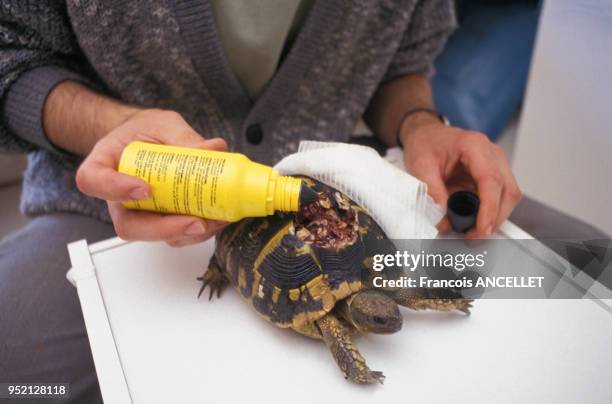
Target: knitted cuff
<point>25,100</point>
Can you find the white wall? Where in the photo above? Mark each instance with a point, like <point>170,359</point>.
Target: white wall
<point>563,155</point>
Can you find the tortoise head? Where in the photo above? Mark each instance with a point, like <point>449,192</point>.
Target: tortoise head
<point>372,311</point>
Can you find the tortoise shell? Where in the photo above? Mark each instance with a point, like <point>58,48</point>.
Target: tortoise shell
<point>294,267</point>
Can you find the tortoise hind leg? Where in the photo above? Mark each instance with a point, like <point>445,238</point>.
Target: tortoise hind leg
<point>348,358</point>
<point>215,278</point>
<point>433,299</point>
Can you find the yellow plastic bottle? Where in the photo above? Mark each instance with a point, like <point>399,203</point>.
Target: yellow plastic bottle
<point>210,184</point>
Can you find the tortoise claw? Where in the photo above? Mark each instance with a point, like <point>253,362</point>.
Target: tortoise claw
<point>464,305</point>
<point>204,283</point>
<point>378,376</point>
<point>368,377</point>
<point>218,287</point>
<point>215,281</point>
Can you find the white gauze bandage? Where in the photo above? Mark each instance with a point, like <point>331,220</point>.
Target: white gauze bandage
<point>396,200</point>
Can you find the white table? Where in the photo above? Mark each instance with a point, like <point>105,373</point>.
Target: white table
<point>153,341</point>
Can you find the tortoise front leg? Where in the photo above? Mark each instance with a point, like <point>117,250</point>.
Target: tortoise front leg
<point>352,364</point>
<point>215,278</point>
<point>433,299</point>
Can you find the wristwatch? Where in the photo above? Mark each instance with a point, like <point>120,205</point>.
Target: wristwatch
<point>411,112</point>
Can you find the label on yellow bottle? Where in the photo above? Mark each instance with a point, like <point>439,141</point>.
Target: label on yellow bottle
<point>206,183</point>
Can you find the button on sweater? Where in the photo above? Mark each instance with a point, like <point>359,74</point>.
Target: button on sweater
<point>167,54</point>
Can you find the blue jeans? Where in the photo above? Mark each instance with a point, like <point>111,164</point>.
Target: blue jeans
<point>482,73</point>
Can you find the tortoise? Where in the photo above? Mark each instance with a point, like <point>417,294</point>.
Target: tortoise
<point>309,271</point>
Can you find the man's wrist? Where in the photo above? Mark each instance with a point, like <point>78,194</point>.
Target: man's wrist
<point>76,117</point>
<point>416,119</point>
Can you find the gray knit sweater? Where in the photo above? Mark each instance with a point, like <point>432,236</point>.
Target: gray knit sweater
<point>166,54</point>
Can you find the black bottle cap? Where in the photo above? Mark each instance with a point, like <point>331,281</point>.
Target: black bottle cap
<point>462,210</point>
<point>307,195</point>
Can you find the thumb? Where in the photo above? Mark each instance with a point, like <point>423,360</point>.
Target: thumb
<point>436,188</point>
<point>103,182</point>
<point>194,140</point>
<point>216,143</point>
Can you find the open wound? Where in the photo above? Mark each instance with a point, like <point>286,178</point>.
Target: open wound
<point>329,222</point>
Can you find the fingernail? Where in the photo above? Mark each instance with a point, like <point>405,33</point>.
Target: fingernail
<point>139,193</point>
<point>489,230</point>
<point>195,229</point>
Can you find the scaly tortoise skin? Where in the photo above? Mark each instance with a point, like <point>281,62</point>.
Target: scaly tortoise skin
<point>309,271</point>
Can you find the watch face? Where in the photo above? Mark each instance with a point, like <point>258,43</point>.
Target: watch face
<point>445,120</point>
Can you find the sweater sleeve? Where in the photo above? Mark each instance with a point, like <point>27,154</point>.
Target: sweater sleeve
<point>424,38</point>
<point>38,50</point>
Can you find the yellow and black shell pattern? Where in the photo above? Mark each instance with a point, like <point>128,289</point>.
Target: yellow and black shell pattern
<point>288,279</point>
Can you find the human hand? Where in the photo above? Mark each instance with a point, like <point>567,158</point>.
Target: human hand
<point>449,159</point>
<point>98,176</point>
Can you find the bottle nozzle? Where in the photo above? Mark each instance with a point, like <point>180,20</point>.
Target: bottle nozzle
<point>286,194</point>
<point>307,195</point>
<point>290,194</point>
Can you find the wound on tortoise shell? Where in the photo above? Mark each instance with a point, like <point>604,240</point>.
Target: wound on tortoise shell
<point>329,221</point>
